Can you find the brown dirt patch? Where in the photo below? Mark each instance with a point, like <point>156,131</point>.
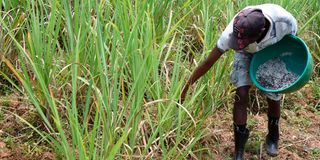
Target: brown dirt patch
<point>299,131</point>
<point>17,140</point>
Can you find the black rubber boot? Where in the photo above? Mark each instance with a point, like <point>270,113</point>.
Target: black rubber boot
<point>272,138</point>
<point>240,137</point>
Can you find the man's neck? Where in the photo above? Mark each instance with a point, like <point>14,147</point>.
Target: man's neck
<point>266,26</point>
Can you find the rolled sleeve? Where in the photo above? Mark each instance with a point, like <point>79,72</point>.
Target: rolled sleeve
<point>223,41</point>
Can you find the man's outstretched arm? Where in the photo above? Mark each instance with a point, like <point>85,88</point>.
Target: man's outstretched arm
<point>201,70</point>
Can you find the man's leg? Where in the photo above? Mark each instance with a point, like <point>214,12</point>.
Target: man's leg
<point>274,108</point>
<point>241,133</point>
<point>241,79</point>
<point>241,104</point>
<point>272,138</point>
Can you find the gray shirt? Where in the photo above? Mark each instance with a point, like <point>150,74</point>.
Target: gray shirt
<point>281,24</point>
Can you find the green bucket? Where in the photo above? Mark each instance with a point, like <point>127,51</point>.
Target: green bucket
<point>298,61</point>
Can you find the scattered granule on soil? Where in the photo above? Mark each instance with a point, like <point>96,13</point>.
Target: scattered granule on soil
<point>273,74</point>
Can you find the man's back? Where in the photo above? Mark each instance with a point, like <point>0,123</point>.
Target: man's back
<point>281,24</point>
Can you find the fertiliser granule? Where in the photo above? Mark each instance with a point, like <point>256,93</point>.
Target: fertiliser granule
<point>273,74</point>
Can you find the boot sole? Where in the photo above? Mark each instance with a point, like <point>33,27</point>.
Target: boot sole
<point>272,154</point>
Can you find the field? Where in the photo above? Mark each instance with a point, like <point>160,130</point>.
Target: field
<point>101,79</point>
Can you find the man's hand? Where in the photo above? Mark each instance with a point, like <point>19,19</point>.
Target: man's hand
<point>183,93</point>
<point>200,71</point>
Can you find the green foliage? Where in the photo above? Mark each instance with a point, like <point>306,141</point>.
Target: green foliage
<point>105,76</point>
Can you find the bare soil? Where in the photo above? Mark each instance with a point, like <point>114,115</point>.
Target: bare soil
<point>17,140</point>
<point>299,130</point>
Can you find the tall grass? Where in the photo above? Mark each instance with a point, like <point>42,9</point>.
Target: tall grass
<point>105,76</point>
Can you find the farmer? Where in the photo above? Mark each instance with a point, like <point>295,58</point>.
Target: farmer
<point>252,29</point>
